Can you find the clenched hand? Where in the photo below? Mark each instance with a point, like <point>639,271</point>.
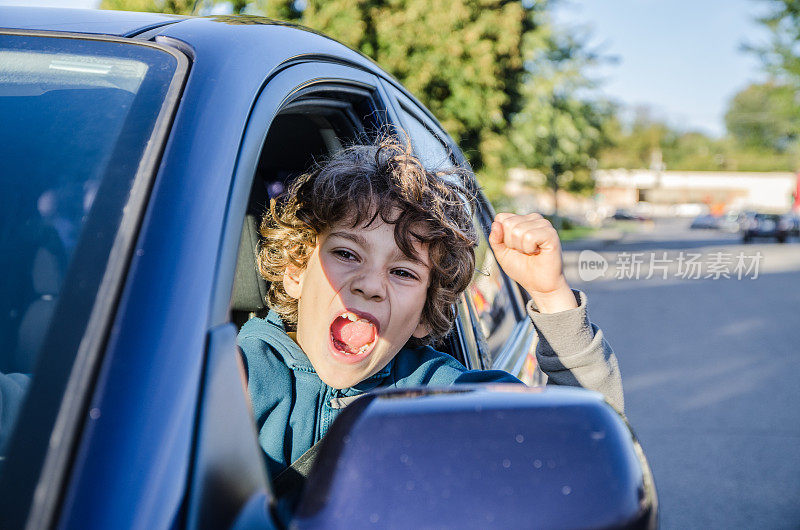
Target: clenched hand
<point>528,249</point>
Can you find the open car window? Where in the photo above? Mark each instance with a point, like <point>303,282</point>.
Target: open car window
<point>309,129</point>
<point>306,131</point>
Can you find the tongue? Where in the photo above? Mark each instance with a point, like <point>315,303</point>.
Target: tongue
<point>351,334</point>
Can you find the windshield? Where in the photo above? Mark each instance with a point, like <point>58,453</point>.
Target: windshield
<point>76,118</point>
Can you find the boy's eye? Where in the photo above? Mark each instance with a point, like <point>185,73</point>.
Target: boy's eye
<point>403,273</point>
<point>344,255</point>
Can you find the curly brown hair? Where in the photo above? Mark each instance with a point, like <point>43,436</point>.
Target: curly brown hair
<point>359,184</point>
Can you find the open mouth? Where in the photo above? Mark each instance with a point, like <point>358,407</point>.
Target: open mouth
<point>352,334</point>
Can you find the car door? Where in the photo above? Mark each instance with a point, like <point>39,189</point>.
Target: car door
<point>499,334</point>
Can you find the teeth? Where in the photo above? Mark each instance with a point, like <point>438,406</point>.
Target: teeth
<point>352,317</point>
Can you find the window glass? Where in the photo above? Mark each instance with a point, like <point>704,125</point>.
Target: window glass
<point>470,336</point>
<point>76,117</point>
<point>431,151</point>
<point>489,294</point>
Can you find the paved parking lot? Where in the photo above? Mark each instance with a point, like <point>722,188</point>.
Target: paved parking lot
<point>711,369</point>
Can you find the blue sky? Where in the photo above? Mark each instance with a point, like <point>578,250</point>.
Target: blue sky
<point>681,58</point>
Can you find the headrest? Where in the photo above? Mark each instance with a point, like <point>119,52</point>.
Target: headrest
<point>249,288</point>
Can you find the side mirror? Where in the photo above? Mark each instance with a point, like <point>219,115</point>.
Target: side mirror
<point>503,456</point>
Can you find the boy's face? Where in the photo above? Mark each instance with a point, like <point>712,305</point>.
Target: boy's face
<point>359,301</point>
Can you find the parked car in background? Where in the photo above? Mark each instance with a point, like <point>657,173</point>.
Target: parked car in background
<point>764,225</point>
<point>729,222</point>
<point>623,214</point>
<point>790,223</point>
<point>139,151</point>
<point>706,222</point>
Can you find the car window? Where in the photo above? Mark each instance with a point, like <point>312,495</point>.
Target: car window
<point>309,128</point>
<point>77,116</point>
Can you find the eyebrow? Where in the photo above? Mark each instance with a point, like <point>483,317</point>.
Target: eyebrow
<point>359,239</point>
<point>362,241</point>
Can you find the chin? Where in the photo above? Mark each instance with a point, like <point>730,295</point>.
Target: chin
<point>339,382</point>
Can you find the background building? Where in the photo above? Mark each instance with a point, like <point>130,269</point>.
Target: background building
<point>719,190</point>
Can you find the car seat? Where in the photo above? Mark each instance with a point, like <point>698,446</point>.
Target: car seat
<point>293,143</point>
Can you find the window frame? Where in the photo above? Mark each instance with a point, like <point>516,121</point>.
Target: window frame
<point>414,110</point>
<point>465,339</point>
<point>521,341</point>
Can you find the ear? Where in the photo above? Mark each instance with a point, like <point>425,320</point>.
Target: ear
<point>293,281</point>
<point>422,330</point>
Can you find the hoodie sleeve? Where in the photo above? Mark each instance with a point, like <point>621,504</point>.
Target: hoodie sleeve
<point>573,352</point>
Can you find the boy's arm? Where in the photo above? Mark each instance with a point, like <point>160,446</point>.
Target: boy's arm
<point>571,350</point>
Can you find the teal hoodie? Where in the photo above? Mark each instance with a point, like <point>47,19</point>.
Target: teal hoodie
<point>293,408</point>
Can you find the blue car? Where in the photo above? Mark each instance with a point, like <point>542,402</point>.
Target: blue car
<point>138,153</point>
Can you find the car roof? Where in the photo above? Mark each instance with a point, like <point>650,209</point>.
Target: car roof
<point>93,21</point>
<point>260,33</point>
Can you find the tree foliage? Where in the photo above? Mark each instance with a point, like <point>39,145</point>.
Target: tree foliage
<point>173,7</point>
<point>557,131</point>
<point>496,74</point>
<point>638,144</point>
<point>648,142</point>
<point>184,7</point>
<point>463,59</point>
<point>764,116</point>
<point>781,55</point>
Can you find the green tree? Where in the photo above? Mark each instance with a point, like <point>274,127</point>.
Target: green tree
<point>647,142</point>
<point>642,141</point>
<point>184,7</point>
<point>764,116</point>
<point>781,55</point>
<point>557,131</point>
<point>174,7</point>
<point>462,59</point>
<point>494,72</point>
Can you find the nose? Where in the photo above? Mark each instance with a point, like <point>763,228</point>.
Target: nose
<point>370,286</point>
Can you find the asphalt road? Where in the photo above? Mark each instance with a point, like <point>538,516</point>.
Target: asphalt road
<point>710,367</point>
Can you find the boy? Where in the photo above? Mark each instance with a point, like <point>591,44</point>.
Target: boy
<point>365,258</point>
